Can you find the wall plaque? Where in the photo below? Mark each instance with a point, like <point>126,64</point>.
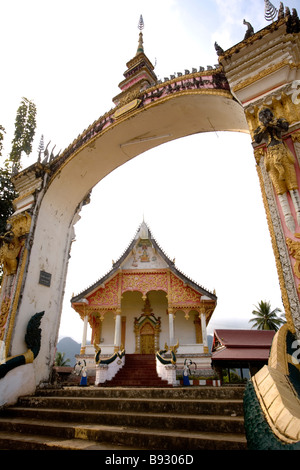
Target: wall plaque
<point>45,278</point>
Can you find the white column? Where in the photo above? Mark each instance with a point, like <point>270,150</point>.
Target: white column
<point>171,328</point>
<point>83,344</point>
<point>117,340</point>
<point>204,332</point>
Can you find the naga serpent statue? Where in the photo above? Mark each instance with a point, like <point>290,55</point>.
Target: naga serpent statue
<point>172,349</point>
<point>109,360</point>
<point>33,343</point>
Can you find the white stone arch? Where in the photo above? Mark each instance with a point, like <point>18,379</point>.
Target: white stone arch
<point>59,203</point>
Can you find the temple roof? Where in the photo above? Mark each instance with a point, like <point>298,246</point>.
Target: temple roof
<point>135,257</point>
<point>242,345</point>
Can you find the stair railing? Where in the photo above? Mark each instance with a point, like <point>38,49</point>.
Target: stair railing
<point>107,368</point>
<point>166,366</point>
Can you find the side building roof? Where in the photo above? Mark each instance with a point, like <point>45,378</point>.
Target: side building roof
<point>241,345</point>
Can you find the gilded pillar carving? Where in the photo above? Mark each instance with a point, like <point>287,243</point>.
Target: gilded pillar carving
<point>13,258</point>
<point>280,164</point>
<point>277,161</point>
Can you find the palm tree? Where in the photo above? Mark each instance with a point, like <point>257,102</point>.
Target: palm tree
<point>60,360</point>
<point>265,317</point>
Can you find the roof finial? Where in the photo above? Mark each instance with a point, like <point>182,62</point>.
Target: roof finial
<point>141,23</point>
<point>140,26</point>
<point>270,11</point>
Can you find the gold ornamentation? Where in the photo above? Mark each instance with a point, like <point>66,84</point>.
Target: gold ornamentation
<point>144,281</point>
<point>262,74</point>
<point>107,297</point>
<point>129,106</point>
<point>147,328</point>
<point>183,295</point>
<point>9,252</point>
<point>280,164</point>
<point>18,226</point>
<point>284,294</point>
<point>3,316</point>
<point>294,248</point>
<point>296,137</point>
<point>258,154</point>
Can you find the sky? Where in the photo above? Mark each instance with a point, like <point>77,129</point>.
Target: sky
<point>199,195</point>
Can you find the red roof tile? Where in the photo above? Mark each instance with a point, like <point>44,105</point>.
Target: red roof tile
<point>242,345</point>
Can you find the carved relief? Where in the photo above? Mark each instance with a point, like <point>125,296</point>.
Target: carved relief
<point>182,294</point>
<point>107,297</point>
<point>294,248</point>
<point>147,328</point>
<point>144,282</point>
<point>285,273</point>
<point>11,242</point>
<point>279,163</point>
<point>3,315</point>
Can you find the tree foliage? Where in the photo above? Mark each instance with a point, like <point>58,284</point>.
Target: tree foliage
<point>60,360</point>
<point>25,125</point>
<point>266,318</point>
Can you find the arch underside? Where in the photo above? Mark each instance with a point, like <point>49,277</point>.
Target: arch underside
<point>133,134</point>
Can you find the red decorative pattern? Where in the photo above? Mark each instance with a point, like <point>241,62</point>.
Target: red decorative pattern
<point>144,282</point>
<point>107,296</point>
<point>183,295</point>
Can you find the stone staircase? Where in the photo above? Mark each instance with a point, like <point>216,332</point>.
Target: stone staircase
<point>139,370</point>
<point>126,418</point>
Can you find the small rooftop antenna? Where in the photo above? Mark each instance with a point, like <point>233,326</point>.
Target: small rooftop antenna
<point>270,11</point>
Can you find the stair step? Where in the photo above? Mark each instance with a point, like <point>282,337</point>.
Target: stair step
<point>172,420</point>
<point>123,435</point>
<point>13,440</point>
<point>139,370</point>
<point>159,405</point>
<point>183,393</point>
<point>120,418</point>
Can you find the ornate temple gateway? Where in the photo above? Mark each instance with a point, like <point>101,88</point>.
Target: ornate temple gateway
<point>255,88</point>
<point>144,303</point>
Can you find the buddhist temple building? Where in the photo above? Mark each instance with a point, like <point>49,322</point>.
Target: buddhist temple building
<point>143,305</point>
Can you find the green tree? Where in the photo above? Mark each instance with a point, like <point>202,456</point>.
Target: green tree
<point>266,318</point>
<point>25,125</point>
<point>60,360</point>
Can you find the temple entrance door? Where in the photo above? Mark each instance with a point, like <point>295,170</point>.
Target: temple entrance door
<point>147,339</point>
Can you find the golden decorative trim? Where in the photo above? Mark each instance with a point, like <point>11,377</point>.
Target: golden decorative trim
<point>284,295</point>
<point>258,154</point>
<point>263,73</point>
<point>20,275</point>
<point>296,137</point>
<point>29,356</point>
<point>294,249</point>
<point>126,108</point>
